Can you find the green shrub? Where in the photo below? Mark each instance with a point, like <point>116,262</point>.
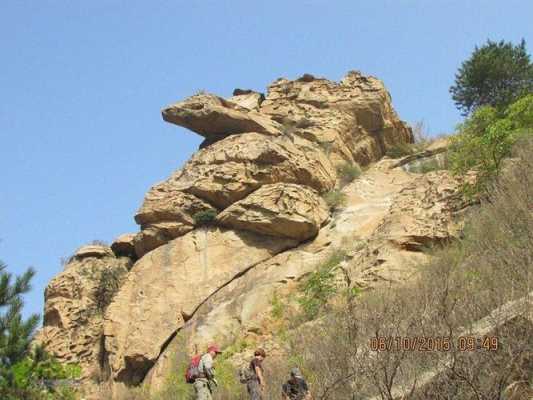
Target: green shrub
<point>348,173</point>
<point>486,138</point>
<point>335,199</point>
<point>399,150</point>
<point>205,217</point>
<point>320,286</point>
<point>23,379</point>
<point>278,307</point>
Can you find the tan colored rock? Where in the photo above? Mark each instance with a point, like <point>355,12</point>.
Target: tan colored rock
<point>242,308</point>
<point>281,210</point>
<point>215,118</point>
<point>423,212</point>
<point>230,169</point>
<point>73,323</point>
<point>353,120</point>
<point>247,99</point>
<point>167,286</point>
<point>93,250</point>
<point>165,214</point>
<point>123,246</point>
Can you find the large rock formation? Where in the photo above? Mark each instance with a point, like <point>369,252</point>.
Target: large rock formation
<point>215,118</point>
<point>75,302</point>
<point>299,133</point>
<point>165,288</point>
<point>363,229</point>
<point>257,182</point>
<point>353,119</point>
<point>282,209</point>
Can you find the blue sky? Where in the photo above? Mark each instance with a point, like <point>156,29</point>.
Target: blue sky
<point>82,85</point>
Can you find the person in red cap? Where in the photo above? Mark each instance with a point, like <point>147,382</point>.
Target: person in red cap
<point>205,383</point>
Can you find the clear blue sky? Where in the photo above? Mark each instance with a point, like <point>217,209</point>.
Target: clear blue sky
<point>82,84</point>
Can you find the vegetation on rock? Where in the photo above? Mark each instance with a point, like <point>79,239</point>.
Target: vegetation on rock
<point>202,218</point>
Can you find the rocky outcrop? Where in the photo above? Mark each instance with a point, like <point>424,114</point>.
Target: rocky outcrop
<point>165,214</point>
<point>353,120</point>
<point>74,305</point>
<point>247,99</point>
<point>230,169</point>
<point>166,286</point>
<point>361,230</point>
<point>281,210</point>
<point>123,246</point>
<point>258,181</point>
<point>423,212</point>
<point>224,173</point>
<point>215,118</point>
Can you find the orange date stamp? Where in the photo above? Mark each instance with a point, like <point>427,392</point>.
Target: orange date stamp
<point>437,343</point>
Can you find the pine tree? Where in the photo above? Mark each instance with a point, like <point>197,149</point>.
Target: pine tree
<point>496,75</point>
<point>15,332</point>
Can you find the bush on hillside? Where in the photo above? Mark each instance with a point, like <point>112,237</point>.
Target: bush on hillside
<point>320,285</point>
<point>335,199</point>
<point>400,150</point>
<point>485,139</point>
<point>348,172</point>
<point>460,285</point>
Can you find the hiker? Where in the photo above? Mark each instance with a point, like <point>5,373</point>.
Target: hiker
<point>205,381</point>
<point>296,387</point>
<point>256,382</point>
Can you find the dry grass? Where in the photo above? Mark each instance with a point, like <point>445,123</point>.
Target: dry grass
<point>490,266</point>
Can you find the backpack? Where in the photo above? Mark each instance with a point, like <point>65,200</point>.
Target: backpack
<point>246,374</point>
<point>193,370</point>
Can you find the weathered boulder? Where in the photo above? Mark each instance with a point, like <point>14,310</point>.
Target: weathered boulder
<point>230,169</point>
<point>215,118</point>
<point>353,120</point>
<point>165,288</point>
<point>93,250</point>
<point>247,99</point>
<point>424,212</point>
<point>74,305</point>
<point>123,246</point>
<point>165,214</point>
<point>281,209</point>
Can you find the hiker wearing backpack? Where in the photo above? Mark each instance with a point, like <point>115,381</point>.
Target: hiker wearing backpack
<point>296,387</point>
<point>255,380</point>
<point>201,373</point>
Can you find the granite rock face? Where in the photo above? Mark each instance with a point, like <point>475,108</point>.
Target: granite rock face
<point>74,306</point>
<point>281,210</point>
<point>166,286</point>
<point>353,120</point>
<point>243,219</point>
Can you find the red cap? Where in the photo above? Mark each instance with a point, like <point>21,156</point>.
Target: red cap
<point>214,348</point>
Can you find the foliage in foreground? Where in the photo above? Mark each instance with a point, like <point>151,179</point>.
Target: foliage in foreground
<point>495,75</point>
<point>27,379</point>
